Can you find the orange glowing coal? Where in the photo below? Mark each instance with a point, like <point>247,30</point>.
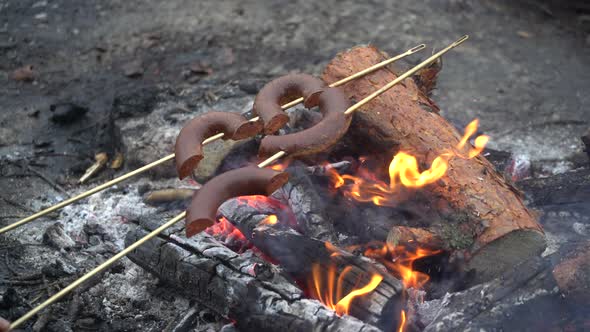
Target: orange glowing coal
<point>280,166</point>
<point>224,230</point>
<point>270,220</point>
<point>404,170</point>
<point>329,287</point>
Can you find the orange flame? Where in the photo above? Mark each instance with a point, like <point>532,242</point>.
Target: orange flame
<point>331,295</point>
<point>404,170</point>
<point>402,323</point>
<point>399,261</point>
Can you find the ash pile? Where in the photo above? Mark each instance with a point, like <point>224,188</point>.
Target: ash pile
<point>488,244</point>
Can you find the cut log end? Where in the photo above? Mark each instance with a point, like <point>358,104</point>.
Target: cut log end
<point>510,250</point>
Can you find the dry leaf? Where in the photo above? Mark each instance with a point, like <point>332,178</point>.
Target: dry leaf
<point>24,74</point>
<point>117,161</point>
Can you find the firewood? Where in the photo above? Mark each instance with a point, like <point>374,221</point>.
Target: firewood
<point>490,304</point>
<point>480,212</point>
<point>297,254</point>
<point>241,287</point>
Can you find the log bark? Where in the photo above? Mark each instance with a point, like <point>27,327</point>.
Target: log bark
<point>241,287</point>
<point>424,238</point>
<point>476,203</point>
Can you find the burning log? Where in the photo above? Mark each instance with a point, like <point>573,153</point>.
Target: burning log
<point>474,202</point>
<point>241,287</point>
<point>301,257</point>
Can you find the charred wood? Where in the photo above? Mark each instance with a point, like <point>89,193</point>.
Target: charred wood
<point>495,304</point>
<point>242,287</point>
<point>586,141</point>
<point>307,205</point>
<point>573,275</point>
<point>297,254</point>
<point>562,202</point>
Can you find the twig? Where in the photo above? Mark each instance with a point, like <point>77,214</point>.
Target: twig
<point>46,285</point>
<point>12,216</point>
<point>22,245</point>
<point>324,169</point>
<point>16,204</point>
<point>49,181</point>
<point>8,266</point>
<point>21,282</point>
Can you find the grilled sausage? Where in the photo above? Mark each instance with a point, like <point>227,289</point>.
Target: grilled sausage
<point>189,150</point>
<point>334,124</point>
<point>244,181</point>
<point>282,90</point>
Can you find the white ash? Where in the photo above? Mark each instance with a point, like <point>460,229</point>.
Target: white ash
<point>581,229</point>
<point>120,291</point>
<point>554,242</point>
<point>110,210</point>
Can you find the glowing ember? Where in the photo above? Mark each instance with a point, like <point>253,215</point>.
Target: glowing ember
<point>404,170</point>
<point>280,166</point>
<point>331,294</point>
<point>228,233</point>
<point>270,220</point>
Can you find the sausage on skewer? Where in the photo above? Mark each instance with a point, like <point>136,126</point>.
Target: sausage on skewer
<point>244,181</point>
<point>282,90</point>
<point>189,150</point>
<point>334,124</point>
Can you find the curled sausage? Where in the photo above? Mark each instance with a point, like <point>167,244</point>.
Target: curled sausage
<point>282,90</point>
<point>189,143</point>
<point>244,181</point>
<point>334,124</point>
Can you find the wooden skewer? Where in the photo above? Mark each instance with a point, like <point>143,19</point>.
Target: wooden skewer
<point>181,216</point>
<point>207,141</point>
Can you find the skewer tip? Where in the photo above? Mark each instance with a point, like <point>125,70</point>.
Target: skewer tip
<point>416,48</point>
<point>460,40</point>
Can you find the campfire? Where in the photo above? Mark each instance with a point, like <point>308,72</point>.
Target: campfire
<point>382,221</point>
